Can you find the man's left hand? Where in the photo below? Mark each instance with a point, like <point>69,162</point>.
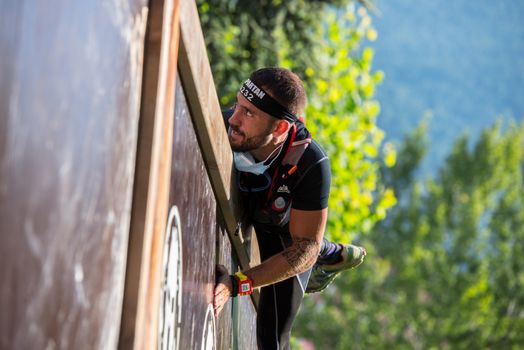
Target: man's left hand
<point>223,289</point>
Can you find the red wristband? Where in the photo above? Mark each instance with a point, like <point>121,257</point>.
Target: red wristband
<point>245,285</point>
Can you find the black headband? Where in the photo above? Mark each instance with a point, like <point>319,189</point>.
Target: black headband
<point>263,101</point>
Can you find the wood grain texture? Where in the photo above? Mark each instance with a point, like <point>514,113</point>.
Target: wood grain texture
<point>153,170</point>
<point>191,193</point>
<point>70,82</point>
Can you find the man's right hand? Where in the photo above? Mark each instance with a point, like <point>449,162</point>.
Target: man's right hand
<point>223,289</point>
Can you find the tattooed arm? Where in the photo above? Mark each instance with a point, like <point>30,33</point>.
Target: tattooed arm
<point>307,230</point>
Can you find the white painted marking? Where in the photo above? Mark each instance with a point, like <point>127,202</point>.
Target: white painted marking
<point>208,334</point>
<point>170,322</point>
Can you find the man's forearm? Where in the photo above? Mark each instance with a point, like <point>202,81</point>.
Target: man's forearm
<point>295,259</point>
<point>302,254</point>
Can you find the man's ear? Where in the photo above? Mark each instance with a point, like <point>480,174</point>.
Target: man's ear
<point>281,127</point>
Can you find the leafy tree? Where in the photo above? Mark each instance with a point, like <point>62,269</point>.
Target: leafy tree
<point>244,35</point>
<point>445,269</point>
<point>342,114</point>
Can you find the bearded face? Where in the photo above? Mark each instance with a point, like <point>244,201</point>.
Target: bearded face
<point>242,142</point>
<point>249,129</point>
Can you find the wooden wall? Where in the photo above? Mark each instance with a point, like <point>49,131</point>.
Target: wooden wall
<point>70,87</point>
<point>115,180</point>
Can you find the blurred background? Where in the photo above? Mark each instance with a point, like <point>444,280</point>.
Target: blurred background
<point>460,64</point>
<point>420,106</point>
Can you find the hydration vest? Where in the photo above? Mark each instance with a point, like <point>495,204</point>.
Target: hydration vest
<point>286,176</point>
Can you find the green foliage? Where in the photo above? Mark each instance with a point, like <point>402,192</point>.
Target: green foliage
<point>242,36</point>
<point>445,270</point>
<point>342,115</point>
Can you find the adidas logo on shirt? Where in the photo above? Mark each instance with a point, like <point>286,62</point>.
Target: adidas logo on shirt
<point>283,189</point>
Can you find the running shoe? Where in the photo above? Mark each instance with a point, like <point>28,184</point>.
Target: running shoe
<point>323,274</point>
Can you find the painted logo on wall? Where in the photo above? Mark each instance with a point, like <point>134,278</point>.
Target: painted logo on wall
<point>208,334</point>
<point>170,322</point>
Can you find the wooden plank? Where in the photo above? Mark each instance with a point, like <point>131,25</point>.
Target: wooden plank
<point>202,98</point>
<point>151,192</point>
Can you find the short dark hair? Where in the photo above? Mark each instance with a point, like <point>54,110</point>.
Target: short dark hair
<point>284,86</point>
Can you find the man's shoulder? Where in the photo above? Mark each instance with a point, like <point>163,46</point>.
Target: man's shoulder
<point>313,154</point>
